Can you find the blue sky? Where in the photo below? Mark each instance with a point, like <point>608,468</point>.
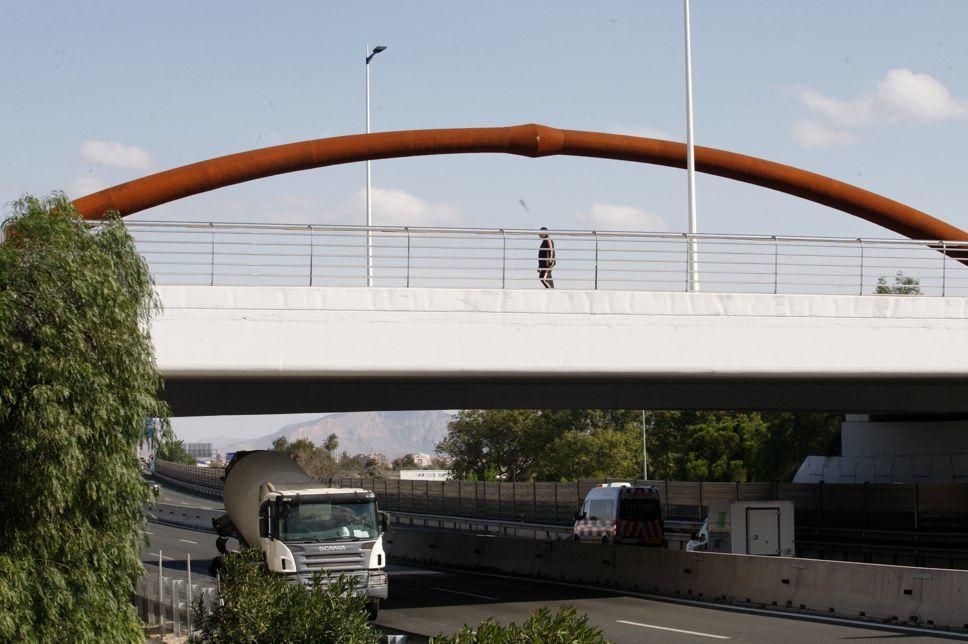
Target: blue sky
<point>874,93</point>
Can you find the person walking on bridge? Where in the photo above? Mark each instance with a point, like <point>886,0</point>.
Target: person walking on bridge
<point>546,259</point>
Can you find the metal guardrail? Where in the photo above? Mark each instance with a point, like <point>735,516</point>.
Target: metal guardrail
<point>214,253</point>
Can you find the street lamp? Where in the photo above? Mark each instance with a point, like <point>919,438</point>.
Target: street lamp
<point>369,211</point>
<point>690,162</point>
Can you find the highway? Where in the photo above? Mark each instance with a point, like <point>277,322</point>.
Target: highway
<point>425,602</point>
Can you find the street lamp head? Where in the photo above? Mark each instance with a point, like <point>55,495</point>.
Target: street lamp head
<point>376,50</point>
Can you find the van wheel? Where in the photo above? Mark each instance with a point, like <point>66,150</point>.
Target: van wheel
<point>373,609</point>
<point>605,540</point>
<point>575,538</point>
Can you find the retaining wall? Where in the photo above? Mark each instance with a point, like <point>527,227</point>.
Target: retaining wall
<point>889,594</point>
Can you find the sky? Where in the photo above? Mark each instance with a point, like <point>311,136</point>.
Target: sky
<point>874,93</point>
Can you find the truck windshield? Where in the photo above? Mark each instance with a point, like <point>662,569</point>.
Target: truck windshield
<point>639,509</point>
<point>321,521</point>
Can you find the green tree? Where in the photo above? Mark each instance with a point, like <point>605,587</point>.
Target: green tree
<point>520,445</point>
<point>77,382</point>
<point>903,285</point>
<point>554,445</point>
<point>170,449</point>
<point>331,444</point>
<point>317,462</point>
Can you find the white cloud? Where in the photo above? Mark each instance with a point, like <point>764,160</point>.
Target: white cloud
<point>85,185</point>
<point>811,134</point>
<point>901,96</point>
<point>904,94</point>
<point>399,208</point>
<point>605,216</point>
<point>114,154</point>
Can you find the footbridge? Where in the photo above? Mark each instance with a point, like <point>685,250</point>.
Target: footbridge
<point>272,319</point>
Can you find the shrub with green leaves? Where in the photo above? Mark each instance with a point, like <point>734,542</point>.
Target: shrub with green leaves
<point>543,627</point>
<point>255,605</point>
<point>78,379</point>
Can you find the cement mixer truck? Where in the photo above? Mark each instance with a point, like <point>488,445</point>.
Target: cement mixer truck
<point>301,527</point>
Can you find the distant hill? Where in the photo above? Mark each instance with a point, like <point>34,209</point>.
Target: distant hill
<point>391,433</point>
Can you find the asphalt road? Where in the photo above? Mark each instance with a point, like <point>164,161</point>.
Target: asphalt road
<point>425,602</point>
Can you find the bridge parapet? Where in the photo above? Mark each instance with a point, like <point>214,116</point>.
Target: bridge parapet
<point>231,254</point>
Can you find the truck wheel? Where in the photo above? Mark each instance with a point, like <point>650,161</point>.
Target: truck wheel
<point>605,540</point>
<point>373,609</point>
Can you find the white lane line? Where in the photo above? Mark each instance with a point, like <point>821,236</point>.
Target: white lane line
<point>146,532</point>
<point>155,555</point>
<point>187,541</point>
<point>780,614</point>
<point>674,630</point>
<point>460,592</point>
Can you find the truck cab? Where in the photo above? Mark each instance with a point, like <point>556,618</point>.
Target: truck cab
<point>620,513</point>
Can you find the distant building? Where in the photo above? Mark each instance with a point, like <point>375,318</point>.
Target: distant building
<point>380,459</point>
<point>200,450</point>
<point>422,460</point>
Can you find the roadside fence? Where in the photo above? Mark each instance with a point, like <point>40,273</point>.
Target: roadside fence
<point>164,596</point>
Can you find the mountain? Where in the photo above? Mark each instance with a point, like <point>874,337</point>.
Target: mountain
<point>391,433</point>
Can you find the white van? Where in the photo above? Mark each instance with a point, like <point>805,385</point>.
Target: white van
<point>621,513</point>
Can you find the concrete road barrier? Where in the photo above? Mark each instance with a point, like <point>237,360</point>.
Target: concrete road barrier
<point>887,594</point>
<point>183,516</point>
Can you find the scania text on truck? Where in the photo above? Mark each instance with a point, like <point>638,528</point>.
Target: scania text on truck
<point>301,527</point>
<point>620,513</point>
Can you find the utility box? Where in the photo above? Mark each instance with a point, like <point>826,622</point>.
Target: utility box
<point>752,528</point>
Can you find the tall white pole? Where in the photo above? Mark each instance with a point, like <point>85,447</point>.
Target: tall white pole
<point>369,211</point>
<point>691,163</point>
<point>645,452</point>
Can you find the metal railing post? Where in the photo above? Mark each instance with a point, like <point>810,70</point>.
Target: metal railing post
<point>408,256</point>
<point>685,238</point>
<point>595,232</point>
<point>211,281</point>
<point>161,594</point>
<point>776,264</point>
<point>188,568</point>
<point>944,267</point>
<point>860,288</point>
<point>311,249</point>
<point>504,258</point>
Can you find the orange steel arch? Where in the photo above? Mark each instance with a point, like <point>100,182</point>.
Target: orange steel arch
<point>530,140</point>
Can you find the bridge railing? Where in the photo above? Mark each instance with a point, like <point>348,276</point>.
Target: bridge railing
<point>320,255</point>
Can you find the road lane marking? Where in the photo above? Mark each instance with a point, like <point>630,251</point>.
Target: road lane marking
<point>460,592</point>
<point>155,555</point>
<point>187,541</point>
<point>780,614</point>
<point>146,532</point>
<point>674,630</point>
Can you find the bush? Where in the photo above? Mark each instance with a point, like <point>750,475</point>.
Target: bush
<point>255,605</point>
<point>564,627</point>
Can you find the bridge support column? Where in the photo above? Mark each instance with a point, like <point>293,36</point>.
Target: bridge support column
<point>893,450</point>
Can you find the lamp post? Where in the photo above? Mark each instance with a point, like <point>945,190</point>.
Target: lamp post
<point>690,163</point>
<point>369,211</point>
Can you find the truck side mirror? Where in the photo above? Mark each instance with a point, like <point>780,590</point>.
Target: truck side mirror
<point>265,521</point>
<point>579,516</point>
<point>384,521</point>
